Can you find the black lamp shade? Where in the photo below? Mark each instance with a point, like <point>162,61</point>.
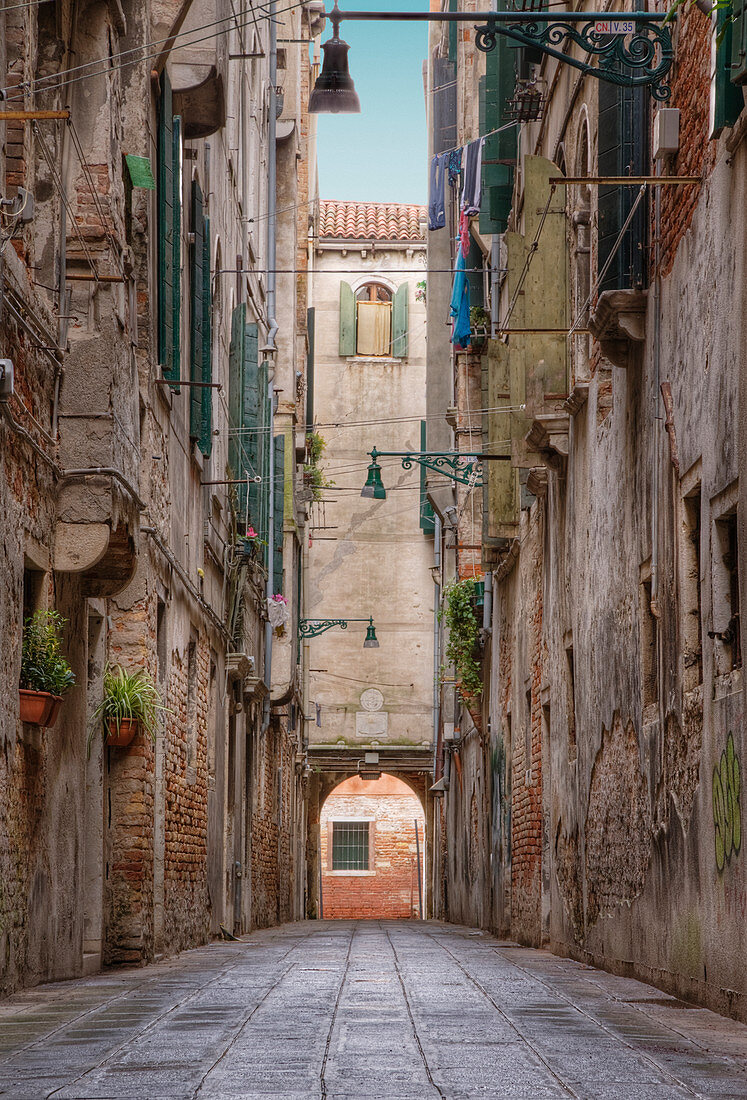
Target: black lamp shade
<point>334,92</point>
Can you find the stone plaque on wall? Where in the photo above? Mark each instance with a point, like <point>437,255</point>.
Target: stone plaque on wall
<point>370,724</point>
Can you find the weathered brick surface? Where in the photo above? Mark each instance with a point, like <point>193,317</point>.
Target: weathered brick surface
<point>391,892</point>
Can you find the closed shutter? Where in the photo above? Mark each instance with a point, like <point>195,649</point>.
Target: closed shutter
<point>279,516</point>
<point>165,231</point>
<point>262,499</point>
<point>444,104</point>
<point>727,100</point>
<point>739,42</point>
<point>235,373</point>
<point>347,319</point>
<point>176,306</point>
<point>496,89</point>
<point>427,520</point>
<point>196,312</point>
<point>623,151</point>
<point>251,422</point>
<point>206,394</point>
<point>400,322</point>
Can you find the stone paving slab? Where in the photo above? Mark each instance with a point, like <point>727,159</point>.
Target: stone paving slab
<point>369,1010</point>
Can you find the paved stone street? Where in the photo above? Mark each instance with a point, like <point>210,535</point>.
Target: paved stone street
<point>344,1010</point>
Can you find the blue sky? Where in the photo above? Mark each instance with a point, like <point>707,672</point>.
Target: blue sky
<point>380,154</point>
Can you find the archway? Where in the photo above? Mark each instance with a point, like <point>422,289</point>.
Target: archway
<point>372,851</point>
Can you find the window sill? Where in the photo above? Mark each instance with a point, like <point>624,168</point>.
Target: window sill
<point>373,359</point>
<point>350,874</point>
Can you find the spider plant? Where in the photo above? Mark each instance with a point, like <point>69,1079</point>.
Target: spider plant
<point>43,667</point>
<point>128,695</point>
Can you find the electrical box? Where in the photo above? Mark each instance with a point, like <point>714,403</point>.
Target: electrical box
<point>6,379</point>
<point>666,132</point>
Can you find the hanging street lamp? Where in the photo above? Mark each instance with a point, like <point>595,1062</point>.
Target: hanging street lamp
<point>334,92</point>
<point>462,466</point>
<point>631,48</point>
<point>311,628</point>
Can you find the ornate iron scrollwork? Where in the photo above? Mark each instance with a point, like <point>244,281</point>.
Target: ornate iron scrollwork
<point>643,57</point>
<point>465,470</point>
<point>310,628</point>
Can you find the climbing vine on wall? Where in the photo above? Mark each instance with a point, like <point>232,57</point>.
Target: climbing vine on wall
<point>727,815</point>
<point>458,612</point>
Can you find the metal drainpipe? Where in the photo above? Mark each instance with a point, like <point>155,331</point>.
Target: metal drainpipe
<point>656,608</point>
<point>273,328</point>
<point>436,641</point>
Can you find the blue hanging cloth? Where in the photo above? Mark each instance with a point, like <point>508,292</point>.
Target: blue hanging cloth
<point>459,308</point>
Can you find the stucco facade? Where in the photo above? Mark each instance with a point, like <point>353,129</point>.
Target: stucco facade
<point>603,790</point>
<point>140,309</point>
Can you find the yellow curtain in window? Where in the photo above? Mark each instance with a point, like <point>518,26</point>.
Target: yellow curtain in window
<point>374,328</point>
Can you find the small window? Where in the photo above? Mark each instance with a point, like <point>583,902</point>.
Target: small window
<point>692,641</point>
<point>350,845</point>
<point>373,305</point>
<point>649,645</point>
<point>373,321</point>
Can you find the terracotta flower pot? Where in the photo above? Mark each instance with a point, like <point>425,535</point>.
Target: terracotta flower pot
<point>39,708</point>
<point>121,735</point>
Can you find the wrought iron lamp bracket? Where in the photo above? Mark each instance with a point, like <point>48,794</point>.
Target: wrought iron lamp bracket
<point>465,469</point>
<point>309,628</point>
<point>643,57</point>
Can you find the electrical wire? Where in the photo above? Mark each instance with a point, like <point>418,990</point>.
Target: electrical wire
<point>63,195</point>
<point>38,86</point>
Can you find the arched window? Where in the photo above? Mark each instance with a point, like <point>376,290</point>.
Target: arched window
<point>373,320</point>
<point>373,305</point>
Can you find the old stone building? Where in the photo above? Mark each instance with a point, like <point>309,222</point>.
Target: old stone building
<point>149,454</point>
<point>597,791</point>
<point>369,556</point>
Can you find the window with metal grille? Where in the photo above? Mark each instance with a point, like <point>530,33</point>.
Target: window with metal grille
<point>349,845</point>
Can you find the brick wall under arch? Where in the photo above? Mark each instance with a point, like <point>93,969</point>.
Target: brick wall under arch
<point>388,889</point>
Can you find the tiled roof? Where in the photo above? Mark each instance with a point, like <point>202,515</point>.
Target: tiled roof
<point>370,221</point>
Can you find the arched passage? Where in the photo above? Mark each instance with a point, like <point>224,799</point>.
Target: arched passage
<point>372,850</point>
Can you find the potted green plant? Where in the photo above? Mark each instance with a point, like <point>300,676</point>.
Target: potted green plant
<point>45,674</point>
<point>131,702</point>
<point>479,326</point>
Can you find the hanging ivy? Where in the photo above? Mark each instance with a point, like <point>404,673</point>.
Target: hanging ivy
<point>458,612</point>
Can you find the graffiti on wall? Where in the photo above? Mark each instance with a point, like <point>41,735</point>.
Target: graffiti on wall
<point>727,815</point>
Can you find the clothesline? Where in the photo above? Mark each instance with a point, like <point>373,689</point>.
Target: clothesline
<point>506,126</point>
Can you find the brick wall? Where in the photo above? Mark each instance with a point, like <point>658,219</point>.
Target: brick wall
<point>272,824</point>
<point>391,891</point>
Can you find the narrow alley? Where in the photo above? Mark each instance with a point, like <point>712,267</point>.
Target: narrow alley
<point>348,1010</point>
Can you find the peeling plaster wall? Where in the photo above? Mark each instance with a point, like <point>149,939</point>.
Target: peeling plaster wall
<point>370,557</point>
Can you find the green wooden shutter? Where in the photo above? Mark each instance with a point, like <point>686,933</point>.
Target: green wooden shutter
<point>347,319</point>
<point>739,42</point>
<point>206,395</point>
<point>728,100</point>
<point>427,520</point>
<point>399,321</point>
<point>196,312</point>
<point>165,231</point>
<point>279,516</point>
<point>236,355</point>
<point>176,308</point>
<point>263,457</point>
<point>496,89</point>
<point>623,151</point>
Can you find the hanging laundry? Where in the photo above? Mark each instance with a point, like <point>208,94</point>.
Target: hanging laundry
<point>436,204</point>
<point>464,239</point>
<point>459,308</point>
<point>472,191</point>
<point>455,166</point>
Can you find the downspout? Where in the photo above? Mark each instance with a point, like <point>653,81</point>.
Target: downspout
<point>655,603</point>
<point>273,328</point>
<point>436,641</point>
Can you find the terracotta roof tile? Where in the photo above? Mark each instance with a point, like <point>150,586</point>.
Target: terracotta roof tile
<point>370,221</point>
